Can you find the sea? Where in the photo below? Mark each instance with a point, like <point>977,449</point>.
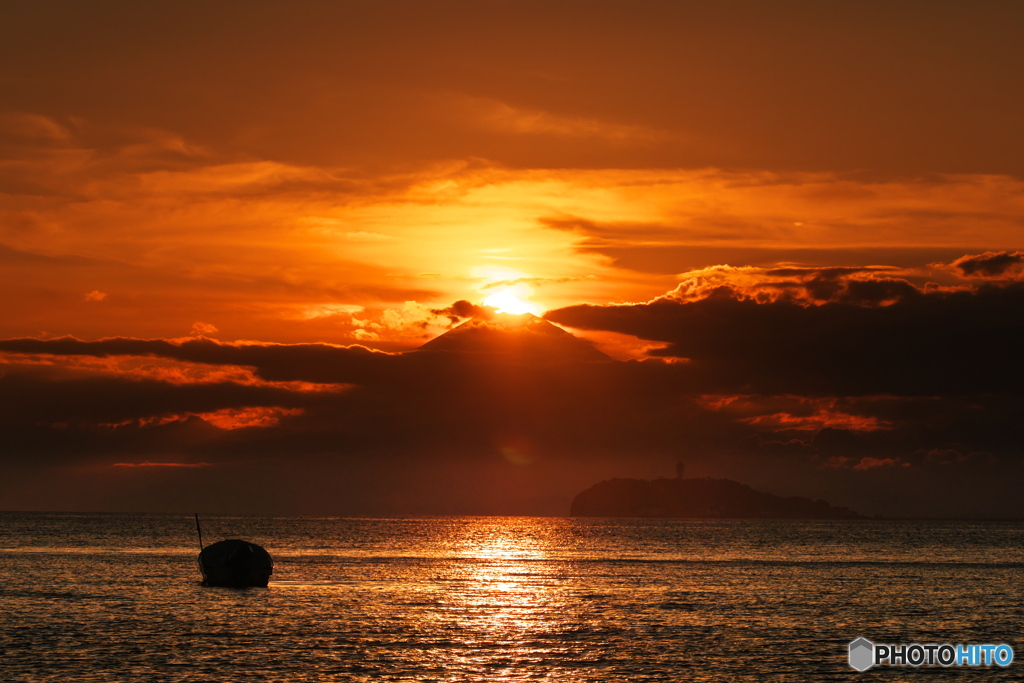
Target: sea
<point>118,597</point>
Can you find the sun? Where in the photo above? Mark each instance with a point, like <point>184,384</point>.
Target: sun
<point>513,299</point>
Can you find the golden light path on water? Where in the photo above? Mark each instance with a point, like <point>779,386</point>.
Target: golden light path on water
<point>499,587</point>
<point>509,594</point>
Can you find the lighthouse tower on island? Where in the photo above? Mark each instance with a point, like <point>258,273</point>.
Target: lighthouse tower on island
<point>680,467</point>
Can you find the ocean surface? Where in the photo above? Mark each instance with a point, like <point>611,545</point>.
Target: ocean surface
<point>111,597</point>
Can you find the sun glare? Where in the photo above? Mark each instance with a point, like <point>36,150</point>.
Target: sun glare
<point>513,299</point>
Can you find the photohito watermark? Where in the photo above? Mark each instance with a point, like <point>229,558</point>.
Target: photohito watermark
<point>864,654</point>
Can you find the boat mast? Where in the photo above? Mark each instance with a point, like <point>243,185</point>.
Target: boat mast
<point>200,530</point>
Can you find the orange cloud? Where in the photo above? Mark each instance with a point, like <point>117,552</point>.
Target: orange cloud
<point>501,117</point>
<point>818,420</point>
<point>226,418</point>
<point>33,126</point>
<point>255,416</point>
<point>793,412</point>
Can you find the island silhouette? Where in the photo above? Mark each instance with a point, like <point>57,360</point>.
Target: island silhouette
<point>700,498</point>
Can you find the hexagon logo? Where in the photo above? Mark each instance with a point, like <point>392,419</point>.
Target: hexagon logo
<point>862,654</point>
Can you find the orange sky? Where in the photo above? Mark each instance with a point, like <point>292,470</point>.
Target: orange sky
<point>342,173</point>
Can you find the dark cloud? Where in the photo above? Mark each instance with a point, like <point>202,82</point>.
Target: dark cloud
<point>274,362</point>
<point>42,398</point>
<point>875,291</point>
<point>858,286</point>
<point>991,264</point>
<point>460,310</point>
<point>923,343</point>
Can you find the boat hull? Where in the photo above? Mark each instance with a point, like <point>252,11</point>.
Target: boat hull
<point>236,564</point>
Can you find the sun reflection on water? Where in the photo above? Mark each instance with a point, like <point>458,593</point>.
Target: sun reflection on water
<point>507,596</point>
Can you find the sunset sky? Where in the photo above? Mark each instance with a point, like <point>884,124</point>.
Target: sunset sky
<point>795,230</point>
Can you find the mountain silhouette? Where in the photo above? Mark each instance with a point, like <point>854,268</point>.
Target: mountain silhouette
<point>522,337</point>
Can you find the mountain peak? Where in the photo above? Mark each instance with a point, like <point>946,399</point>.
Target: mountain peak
<point>523,337</point>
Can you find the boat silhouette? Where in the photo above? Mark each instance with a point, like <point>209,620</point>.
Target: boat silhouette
<point>233,562</point>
